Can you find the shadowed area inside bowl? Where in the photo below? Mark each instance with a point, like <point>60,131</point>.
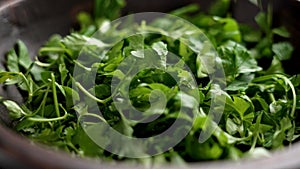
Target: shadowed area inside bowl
<point>34,21</point>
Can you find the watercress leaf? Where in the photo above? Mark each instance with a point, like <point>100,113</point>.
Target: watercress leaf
<point>63,73</point>
<point>241,83</point>
<point>231,127</point>
<point>262,20</point>
<point>24,58</point>
<point>275,67</point>
<point>46,136</point>
<point>234,153</point>
<point>15,111</point>
<point>249,34</point>
<point>278,138</point>
<point>219,8</point>
<point>115,6</point>
<point>25,125</point>
<point>230,29</point>
<point>86,144</point>
<point>12,61</point>
<point>296,80</point>
<point>283,50</point>
<point>285,124</point>
<point>237,59</point>
<point>45,75</point>
<point>61,89</point>
<point>161,49</point>
<point>208,150</point>
<point>281,31</point>
<point>124,127</point>
<point>187,100</point>
<point>140,92</point>
<point>10,78</point>
<point>239,105</point>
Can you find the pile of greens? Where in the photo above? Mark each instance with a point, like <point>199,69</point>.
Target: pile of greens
<point>261,109</point>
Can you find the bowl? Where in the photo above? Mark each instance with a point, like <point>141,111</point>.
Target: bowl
<point>34,21</point>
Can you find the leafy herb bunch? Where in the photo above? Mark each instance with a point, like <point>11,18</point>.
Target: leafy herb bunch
<point>261,105</point>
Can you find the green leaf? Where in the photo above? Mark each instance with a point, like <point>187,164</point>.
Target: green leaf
<point>241,83</point>
<point>114,6</point>
<point>230,29</point>
<point>219,8</point>
<point>86,144</point>
<point>239,105</point>
<point>12,61</point>
<point>161,49</point>
<point>45,75</point>
<point>24,58</point>
<point>208,150</point>
<point>237,59</point>
<point>231,127</point>
<point>63,72</point>
<point>249,34</point>
<point>15,111</point>
<point>275,67</point>
<point>124,127</point>
<point>283,50</point>
<point>10,78</point>
<point>25,124</point>
<point>262,20</point>
<point>281,31</point>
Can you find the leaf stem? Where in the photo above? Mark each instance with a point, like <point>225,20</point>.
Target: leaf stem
<point>54,92</point>
<point>90,95</point>
<point>41,119</point>
<point>287,80</point>
<point>27,85</point>
<point>42,105</point>
<point>256,132</point>
<point>92,115</point>
<point>51,49</point>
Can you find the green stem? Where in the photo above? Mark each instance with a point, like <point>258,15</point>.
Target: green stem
<point>40,88</point>
<point>271,95</point>
<point>255,133</point>
<point>41,64</point>
<point>36,119</point>
<point>42,105</point>
<point>90,95</point>
<point>293,93</point>
<point>82,66</point>
<point>51,49</point>
<point>27,85</point>
<point>93,115</point>
<point>55,95</point>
